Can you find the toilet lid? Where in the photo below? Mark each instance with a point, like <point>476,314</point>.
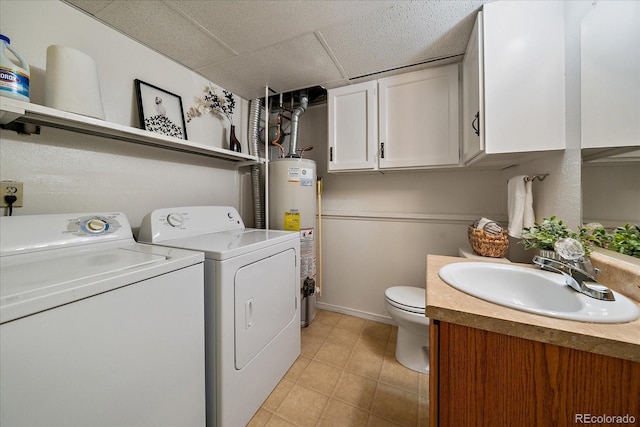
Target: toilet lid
<point>409,298</point>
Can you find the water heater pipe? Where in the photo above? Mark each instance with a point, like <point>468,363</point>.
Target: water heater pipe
<point>295,118</point>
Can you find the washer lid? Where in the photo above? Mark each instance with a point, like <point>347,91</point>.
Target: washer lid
<point>33,282</point>
<point>407,296</point>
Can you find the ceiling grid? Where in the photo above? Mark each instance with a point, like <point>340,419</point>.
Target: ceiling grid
<point>288,45</point>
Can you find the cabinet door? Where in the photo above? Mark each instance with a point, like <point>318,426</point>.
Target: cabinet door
<point>511,381</point>
<point>524,76</point>
<point>610,75</point>
<point>353,127</point>
<point>419,119</point>
<point>472,93</point>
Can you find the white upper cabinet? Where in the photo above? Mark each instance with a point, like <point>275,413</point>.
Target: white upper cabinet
<point>610,75</point>
<point>473,91</point>
<point>353,129</point>
<point>408,121</point>
<point>514,81</point>
<point>418,119</point>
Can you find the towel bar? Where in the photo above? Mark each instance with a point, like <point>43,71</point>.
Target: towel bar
<point>540,176</point>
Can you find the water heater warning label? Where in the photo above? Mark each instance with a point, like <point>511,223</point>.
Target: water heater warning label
<point>304,176</point>
<point>292,221</point>
<point>294,175</point>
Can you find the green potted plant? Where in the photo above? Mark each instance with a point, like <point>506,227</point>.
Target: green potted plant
<point>544,236</point>
<point>624,239</point>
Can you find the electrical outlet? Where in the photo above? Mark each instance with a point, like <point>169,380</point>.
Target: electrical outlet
<point>11,188</point>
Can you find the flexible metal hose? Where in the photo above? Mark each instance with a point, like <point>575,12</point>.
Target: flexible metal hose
<point>257,180</point>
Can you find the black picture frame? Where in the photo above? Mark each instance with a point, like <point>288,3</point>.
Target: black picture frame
<point>160,111</point>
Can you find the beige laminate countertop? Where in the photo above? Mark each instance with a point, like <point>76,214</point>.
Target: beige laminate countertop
<point>445,303</point>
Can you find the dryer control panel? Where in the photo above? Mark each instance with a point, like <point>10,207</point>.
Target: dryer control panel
<point>173,223</point>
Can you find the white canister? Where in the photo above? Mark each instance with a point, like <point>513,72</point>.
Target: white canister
<point>72,82</point>
<point>14,73</point>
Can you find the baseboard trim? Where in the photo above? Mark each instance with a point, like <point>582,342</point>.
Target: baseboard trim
<point>355,313</point>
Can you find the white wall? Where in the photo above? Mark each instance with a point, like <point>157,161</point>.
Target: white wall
<point>67,172</point>
<point>611,193</point>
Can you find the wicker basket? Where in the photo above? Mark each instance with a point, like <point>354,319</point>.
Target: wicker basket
<point>487,244</point>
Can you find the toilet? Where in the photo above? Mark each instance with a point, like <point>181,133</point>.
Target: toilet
<point>405,305</point>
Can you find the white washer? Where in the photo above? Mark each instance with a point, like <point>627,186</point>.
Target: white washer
<point>96,329</point>
<point>252,296</point>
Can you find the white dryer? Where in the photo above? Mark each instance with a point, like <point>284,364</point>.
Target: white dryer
<point>252,297</point>
<point>96,329</point>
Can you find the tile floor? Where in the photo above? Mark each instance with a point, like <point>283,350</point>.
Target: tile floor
<point>347,375</point>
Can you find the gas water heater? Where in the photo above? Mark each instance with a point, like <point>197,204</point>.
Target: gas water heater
<point>293,207</point>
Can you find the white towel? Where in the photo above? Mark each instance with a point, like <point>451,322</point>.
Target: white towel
<point>488,225</point>
<point>520,205</point>
<point>529,215</point>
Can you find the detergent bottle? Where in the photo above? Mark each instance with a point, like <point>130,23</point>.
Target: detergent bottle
<point>14,73</point>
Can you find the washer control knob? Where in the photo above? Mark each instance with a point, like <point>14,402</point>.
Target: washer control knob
<point>175,219</point>
<point>230,215</point>
<point>96,225</point>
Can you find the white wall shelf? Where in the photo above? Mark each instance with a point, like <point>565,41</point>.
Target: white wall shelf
<point>12,110</point>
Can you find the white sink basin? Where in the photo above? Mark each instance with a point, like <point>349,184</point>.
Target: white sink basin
<point>535,291</point>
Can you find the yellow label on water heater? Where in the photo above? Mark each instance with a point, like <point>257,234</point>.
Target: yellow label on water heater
<point>292,221</point>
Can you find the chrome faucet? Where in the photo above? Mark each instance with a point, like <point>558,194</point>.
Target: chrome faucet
<point>568,259</point>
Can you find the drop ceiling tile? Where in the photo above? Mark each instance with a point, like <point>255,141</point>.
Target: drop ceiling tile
<point>243,45</point>
<point>407,33</point>
<point>162,28</point>
<point>246,26</point>
<point>90,6</point>
<point>294,64</point>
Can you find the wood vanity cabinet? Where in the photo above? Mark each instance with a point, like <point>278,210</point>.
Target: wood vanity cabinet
<point>407,121</point>
<point>481,378</point>
<point>513,82</point>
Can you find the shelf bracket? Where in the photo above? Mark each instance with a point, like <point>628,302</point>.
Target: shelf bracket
<point>22,128</point>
